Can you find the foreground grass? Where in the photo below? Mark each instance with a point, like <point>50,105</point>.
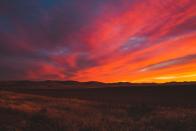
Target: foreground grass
<point>22,112</point>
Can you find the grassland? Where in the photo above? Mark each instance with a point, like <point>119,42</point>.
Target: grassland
<point>106,109</point>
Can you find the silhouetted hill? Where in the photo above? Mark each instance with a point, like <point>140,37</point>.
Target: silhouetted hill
<point>122,92</point>
<point>50,84</point>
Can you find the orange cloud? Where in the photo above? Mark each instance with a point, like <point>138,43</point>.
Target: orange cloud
<point>95,40</point>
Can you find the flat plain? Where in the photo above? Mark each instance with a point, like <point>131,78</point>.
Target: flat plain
<point>58,106</point>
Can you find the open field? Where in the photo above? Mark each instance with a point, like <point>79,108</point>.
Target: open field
<point>144,108</point>
<point>151,94</point>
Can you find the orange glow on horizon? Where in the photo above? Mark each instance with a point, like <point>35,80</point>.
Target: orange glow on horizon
<point>99,40</point>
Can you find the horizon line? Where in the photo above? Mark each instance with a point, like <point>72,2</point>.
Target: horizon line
<point>98,81</point>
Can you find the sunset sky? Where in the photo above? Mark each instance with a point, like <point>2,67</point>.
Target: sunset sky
<point>98,40</point>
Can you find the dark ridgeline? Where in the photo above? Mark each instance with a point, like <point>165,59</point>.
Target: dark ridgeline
<point>52,84</point>
<point>173,93</point>
<point>116,106</point>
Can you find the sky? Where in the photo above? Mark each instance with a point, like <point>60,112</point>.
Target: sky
<point>98,40</point>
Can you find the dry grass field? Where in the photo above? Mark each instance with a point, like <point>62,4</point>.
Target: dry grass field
<point>71,106</point>
<point>30,112</point>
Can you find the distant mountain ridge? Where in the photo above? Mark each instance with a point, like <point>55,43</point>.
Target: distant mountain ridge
<point>53,84</point>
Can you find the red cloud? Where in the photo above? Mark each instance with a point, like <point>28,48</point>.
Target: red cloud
<point>112,41</point>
